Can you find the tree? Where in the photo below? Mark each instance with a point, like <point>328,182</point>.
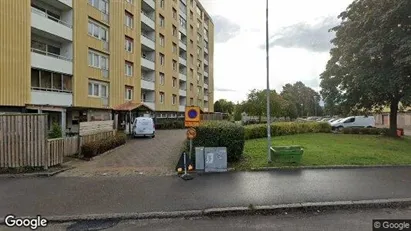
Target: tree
<point>370,65</point>
<point>224,106</point>
<point>305,99</point>
<point>55,131</point>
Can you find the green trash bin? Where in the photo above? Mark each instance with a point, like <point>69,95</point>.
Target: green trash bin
<point>287,154</point>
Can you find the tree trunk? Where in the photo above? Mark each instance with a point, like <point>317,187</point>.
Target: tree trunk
<point>393,118</point>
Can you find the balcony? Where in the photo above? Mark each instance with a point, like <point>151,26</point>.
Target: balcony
<point>205,73</point>
<point>181,108</point>
<point>182,61</point>
<point>40,97</point>
<point>149,3</point>
<point>205,97</point>
<point>148,20</point>
<point>205,61</point>
<point>205,50</point>
<point>182,76</point>
<point>206,37</point>
<point>205,85</point>
<point>148,42</point>
<point>48,24</point>
<point>150,103</point>
<point>182,92</point>
<point>147,84</point>
<point>183,45</point>
<point>183,30</point>
<point>49,61</point>
<point>147,63</point>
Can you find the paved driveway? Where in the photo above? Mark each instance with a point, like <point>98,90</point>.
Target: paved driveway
<point>140,156</point>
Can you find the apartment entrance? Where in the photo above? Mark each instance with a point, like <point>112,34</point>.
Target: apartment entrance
<point>55,115</point>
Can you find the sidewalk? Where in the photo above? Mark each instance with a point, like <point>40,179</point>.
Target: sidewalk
<point>102,195</point>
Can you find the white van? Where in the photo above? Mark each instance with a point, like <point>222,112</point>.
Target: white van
<point>354,121</point>
<point>144,126</point>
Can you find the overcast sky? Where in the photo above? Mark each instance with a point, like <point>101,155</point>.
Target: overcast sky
<point>299,43</point>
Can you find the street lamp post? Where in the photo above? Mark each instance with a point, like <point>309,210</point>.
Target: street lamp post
<point>268,86</point>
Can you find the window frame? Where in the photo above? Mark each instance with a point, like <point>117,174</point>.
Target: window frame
<point>128,66</point>
<point>129,91</point>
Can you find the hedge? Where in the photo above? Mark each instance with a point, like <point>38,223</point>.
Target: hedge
<point>286,128</point>
<point>98,147</point>
<point>169,124</point>
<point>366,131</point>
<point>221,134</point>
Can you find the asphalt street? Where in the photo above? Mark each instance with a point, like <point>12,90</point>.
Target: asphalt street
<point>339,220</point>
<point>102,195</point>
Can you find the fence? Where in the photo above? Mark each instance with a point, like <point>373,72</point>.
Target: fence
<point>403,120</point>
<point>23,140</point>
<point>24,143</point>
<point>216,116</point>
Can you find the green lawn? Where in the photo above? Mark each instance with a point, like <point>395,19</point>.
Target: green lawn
<point>331,149</point>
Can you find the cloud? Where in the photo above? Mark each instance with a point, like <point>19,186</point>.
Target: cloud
<point>313,37</point>
<point>224,29</point>
<point>225,90</point>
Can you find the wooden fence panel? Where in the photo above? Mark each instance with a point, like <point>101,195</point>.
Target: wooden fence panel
<point>95,127</point>
<point>98,136</point>
<point>22,140</point>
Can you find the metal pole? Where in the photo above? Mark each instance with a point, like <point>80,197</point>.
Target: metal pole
<point>191,148</point>
<point>185,164</point>
<point>268,87</point>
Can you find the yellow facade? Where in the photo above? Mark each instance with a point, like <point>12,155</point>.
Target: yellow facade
<point>15,55</point>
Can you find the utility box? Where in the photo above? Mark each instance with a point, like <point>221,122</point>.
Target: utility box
<point>215,159</point>
<point>287,154</point>
<point>199,158</point>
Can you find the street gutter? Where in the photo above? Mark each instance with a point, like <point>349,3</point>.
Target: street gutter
<point>250,210</point>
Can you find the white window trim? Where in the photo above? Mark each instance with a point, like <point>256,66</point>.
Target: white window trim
<point>100,29</point>
<point>129,90</point>
<point>162,59</point>
<point>100,60</point>
<point>128,66</point>
<point>162,79</point>
<point>128,44</point>
<point>162,40</point>
<point>128,20</point>
<point>173,99</point>
<point>174,83</point>
<point>93,84</point>
<point>162,96</point>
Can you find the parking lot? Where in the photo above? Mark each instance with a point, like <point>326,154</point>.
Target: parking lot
<point>140,156</point>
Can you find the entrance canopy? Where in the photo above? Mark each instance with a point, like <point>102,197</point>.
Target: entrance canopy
<point>130,106</point>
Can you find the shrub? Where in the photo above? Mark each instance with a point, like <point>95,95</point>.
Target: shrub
<point>221,134</point>
<point>98,147</point>
<point>366,131</point>
<point>55,131</point>
<point>285,128</point>
<point>169,124</point>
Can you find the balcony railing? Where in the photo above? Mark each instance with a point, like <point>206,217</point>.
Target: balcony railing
<point>148,101</point>
<point>44,14</point>
<point>148,16</point>
<point>183,41</point>
<point>146,78</point>
<point>50,54</point>
<point>148,37</point>
<point>51,89</point>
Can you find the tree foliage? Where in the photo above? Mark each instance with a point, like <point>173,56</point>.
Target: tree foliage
<point>370,64</point>
<point>224,106</point>
<point>306,101</point>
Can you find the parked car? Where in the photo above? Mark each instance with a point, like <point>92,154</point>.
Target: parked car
<point>144,126</point>
<point>354,121</point>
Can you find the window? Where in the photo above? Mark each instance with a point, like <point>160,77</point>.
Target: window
<point>128,19</point>
<point>191,29</point>
<point>350,120</point>
<point>191,14</point>
<point>161,17</point>
<point>174,48</point>
<point>192,59</point>
<point>162,96</point>
<point>205,32</point>
<point>162,4</point>
<point>129,1</point>
<point>191,43</point>
<point>102,5</point>
<point>129,93</point>
<point>198,90</point>
<point>199,63</point>
<point>191,101</point>
<point>174,31</point>
<point>191,86</point>
<point>192,3</point>
<point>97,31</point>
<point>206,44</point>
<point>198,51</point>
<point>50,81</point>
<point>161,40</point>
<point>97,89</point>
<point>174,65</point>
<point>97,60</point>
<point>174,13</point>
<point>198,10</point>
<point>129,44</point>
<point>198,24</point>
<point>183,22</point>
<point>199,38</point>
<point>162,78</point>
<point>191,72</point>
<point>174,99</point>
<point>199,76</point>
<point>174,82</point>
<point>162,59</point>
<point>129,68</point>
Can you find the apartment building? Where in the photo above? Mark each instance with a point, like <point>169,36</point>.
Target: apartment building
<point>79,60</point>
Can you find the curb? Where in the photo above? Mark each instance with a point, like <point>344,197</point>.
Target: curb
<point>271,209</point>
<point>330,167</point>
<point>35,174</point>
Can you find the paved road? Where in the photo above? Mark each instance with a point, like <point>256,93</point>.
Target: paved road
<point>102,195</point>
<point>341,220</point>
<point>146,156</point>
